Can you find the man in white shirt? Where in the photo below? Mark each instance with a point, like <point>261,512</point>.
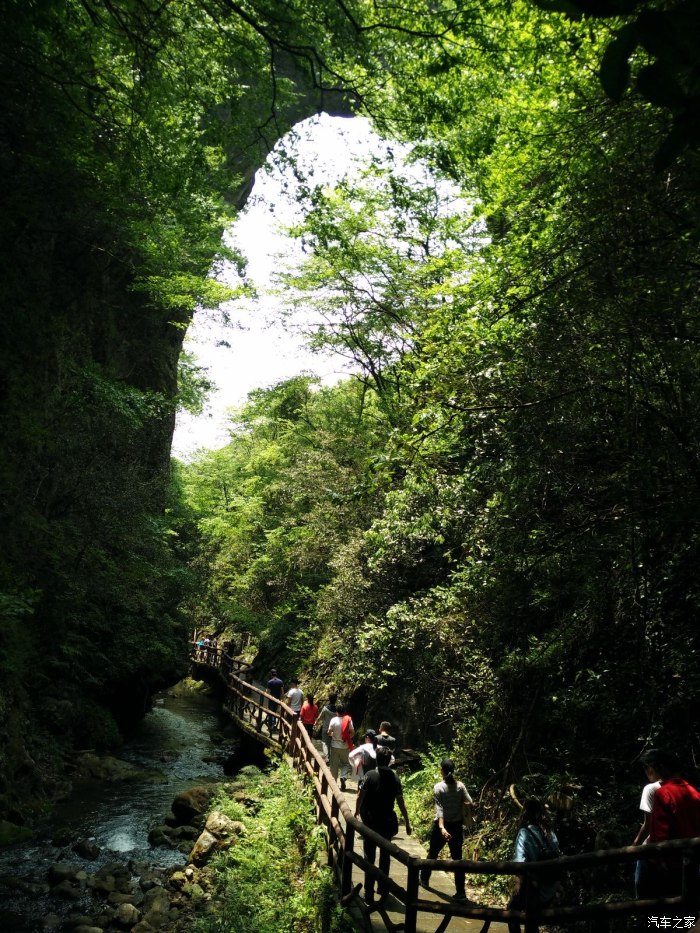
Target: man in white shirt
<point>364,757</point>
<point>339,750</point>
<point>646,805</point>
<point>295,697</point>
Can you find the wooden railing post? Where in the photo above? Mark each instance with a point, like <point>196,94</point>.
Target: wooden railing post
<point>411,918</point>
<point>690,881</point>
<point>530,901</point>
<point>293,734</point>
<point>316,774</point>
<point>346,873</point>
<point>332,848</point>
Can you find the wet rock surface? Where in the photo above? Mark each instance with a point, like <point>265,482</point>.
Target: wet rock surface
<point>123,896</point>
<point>105,859</point>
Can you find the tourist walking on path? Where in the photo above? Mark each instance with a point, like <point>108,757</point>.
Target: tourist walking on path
<point>675,814</point>
<point>384,736</point>
<point>274,687</point>
<point>295,697</point>
<point>452,804</point>
<point>535,842</point>
<point>340,731</point>
<point>327,713</point>
<point>364,758</point>
<point>380,790</point>
<point>642,837</point>
<point>309,713</point>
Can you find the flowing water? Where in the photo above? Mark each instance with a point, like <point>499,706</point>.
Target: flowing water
<point>173,739</point>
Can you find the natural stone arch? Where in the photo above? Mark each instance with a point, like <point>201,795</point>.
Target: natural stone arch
<point>252,151</point>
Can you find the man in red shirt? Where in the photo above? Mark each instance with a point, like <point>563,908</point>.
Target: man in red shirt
<point>675,814</point>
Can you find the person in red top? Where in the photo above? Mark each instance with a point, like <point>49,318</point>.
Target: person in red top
<point>675,814</point>
<point>309,713</point>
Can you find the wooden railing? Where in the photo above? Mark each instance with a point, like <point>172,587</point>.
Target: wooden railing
<point>272,722</point>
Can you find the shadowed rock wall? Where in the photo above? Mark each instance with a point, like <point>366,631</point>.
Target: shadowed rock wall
<point>89,581</point>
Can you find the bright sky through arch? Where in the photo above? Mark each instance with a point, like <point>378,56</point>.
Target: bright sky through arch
<point>255,350</point>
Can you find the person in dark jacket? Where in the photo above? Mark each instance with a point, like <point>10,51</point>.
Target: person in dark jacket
<point>274,687</point>
<point>380,790</point>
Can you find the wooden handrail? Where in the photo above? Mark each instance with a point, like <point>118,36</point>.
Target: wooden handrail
<point>331,803</point>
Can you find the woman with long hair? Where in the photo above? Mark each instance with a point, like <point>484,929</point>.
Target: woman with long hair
<point>534,842</point>
<point>452,803</point>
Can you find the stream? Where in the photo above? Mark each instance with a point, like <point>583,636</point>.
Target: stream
<point>174,738</point>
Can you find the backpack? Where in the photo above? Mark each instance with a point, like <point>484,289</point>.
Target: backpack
<point>546,851</point>
<point>368,762</point>
<point>345,732</point>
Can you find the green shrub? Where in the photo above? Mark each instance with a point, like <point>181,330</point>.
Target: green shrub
<point>274,880</point>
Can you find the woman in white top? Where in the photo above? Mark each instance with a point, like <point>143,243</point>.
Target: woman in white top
<point>452,803</point>
<point>364,757</point>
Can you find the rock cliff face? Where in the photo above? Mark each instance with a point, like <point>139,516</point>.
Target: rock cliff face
<point>249,154</point>
<point>89,584</point>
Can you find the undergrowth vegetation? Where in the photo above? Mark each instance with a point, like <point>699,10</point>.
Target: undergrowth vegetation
<point>274,880</point>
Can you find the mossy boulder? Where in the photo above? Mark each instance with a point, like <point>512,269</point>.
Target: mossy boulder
<point>108,768</point>
<point>193,802</point>
<point>11,833</point>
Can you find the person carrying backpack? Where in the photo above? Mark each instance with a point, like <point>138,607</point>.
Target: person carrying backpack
<point>364,758</point>
<point>380,790</point>
<point>327,713</point>
<point>535,842</point>
<point>340,732</point>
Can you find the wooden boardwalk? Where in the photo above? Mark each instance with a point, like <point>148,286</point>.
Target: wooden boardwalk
<point>441,889</point>
<point>389,913</point>
<point>407,907</point>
